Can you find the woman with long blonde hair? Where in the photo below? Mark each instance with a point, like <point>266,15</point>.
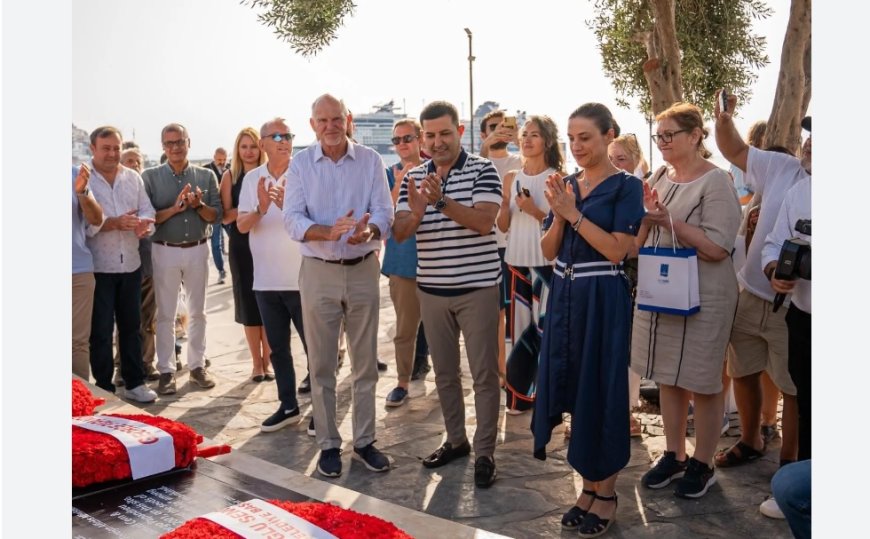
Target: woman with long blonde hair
<point>246,157</point>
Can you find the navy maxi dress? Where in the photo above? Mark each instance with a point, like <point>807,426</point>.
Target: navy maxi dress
<point>585,345</point>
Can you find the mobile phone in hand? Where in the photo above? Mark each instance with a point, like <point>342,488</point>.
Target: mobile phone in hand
<point>723,101</point>
<point>510,122</point>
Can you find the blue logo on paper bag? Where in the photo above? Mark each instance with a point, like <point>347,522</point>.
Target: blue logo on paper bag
<point>663,270</point>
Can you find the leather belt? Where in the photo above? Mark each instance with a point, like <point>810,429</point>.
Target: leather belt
<point>346,261</point>
<point>181,245</point>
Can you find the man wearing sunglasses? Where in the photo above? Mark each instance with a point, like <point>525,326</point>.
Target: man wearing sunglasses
<point>400,267</point>
<point>276,263</point>
<point>187,201</point>
<point>337,204</point>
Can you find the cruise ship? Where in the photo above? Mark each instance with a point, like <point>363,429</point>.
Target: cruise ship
<point>375,129</point>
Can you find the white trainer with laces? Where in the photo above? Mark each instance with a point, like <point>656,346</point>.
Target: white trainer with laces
<point>141,393</point>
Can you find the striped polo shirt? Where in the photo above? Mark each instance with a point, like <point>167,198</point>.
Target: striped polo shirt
<point>452,259</point>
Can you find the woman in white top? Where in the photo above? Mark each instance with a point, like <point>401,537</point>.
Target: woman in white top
<point>522,211</point>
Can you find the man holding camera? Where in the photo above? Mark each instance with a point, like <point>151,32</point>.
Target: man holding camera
<point>793,222</point>
<point>759,335</point>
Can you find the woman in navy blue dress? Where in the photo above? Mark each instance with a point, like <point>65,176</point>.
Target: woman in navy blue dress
<point>594,217</point>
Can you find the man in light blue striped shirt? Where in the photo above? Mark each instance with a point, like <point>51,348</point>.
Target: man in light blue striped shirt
<point>337,204</point>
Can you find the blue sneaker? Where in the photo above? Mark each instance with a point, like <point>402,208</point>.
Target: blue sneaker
<point>372,458</point>
<point>329,463</point>
<point>397,397</point>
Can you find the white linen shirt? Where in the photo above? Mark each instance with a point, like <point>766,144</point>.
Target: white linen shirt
<point>117,251</point>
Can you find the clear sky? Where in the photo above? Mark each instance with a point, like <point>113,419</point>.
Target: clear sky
<point>211,66</point>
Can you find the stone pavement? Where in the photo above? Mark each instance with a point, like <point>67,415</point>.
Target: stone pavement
<point>529,496</point>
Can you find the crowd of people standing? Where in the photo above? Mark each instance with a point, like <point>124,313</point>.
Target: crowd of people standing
<point>536,269</point>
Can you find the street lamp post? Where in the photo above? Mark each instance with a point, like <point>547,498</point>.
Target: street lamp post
<point>470,91</point>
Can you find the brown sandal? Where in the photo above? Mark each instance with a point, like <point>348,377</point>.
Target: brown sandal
<point>736,455</point>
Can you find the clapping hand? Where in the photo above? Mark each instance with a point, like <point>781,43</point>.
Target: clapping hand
<point>128,221</point>
<point>416,199</point>
<point>276,194</point>
<point>143,226</point>
<point>560,196</point>
<point>656,212</point>
<point>264,198</point>
<point>361,232</point>
<point>341,226</point>
<point>431,188</point>
<point>181,200</point>
<point>193,198</point>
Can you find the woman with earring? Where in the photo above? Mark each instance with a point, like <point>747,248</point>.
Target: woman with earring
<point>246,157</point>
<point>694,203</point>
<point>594,217</point>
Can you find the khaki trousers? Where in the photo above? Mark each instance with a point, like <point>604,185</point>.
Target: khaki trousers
<point>403,292</point>
<point>475,314</point>
<point>332,293</point>
<point>82,309</point>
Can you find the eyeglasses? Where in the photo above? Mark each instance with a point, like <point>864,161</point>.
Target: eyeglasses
<point>667,136</point>
<point>180,143</point>
<point>278,137</point>
<point>407,139</point>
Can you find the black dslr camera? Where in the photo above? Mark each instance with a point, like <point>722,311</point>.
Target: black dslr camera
<point>794,259</point>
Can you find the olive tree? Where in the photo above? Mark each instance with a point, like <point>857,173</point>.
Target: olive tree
<point>658,52</point>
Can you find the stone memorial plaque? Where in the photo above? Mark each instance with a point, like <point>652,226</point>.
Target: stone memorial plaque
<point>148,508</point>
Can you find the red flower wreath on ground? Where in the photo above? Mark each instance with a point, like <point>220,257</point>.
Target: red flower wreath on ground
<point>98,457</point>
<point>343,523</point>
<point>83,401</point>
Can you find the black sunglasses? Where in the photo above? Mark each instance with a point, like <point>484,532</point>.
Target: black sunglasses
<point>278,137</point>
<point>407,139</point>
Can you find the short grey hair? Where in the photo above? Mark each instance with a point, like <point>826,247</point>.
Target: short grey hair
<point>266,125</point>
<point>330,97</point>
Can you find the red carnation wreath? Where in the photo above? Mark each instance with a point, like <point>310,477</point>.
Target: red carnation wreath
<point>343,523</point>
<point>83,401</point>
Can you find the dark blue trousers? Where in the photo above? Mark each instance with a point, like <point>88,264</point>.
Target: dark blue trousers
<point>279,309</point>
<point>117,298</point>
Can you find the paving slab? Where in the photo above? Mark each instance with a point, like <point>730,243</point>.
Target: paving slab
<point>527,500</point>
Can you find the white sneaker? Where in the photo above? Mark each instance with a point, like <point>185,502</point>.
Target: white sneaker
<point>770,508</point>
<point>141,393</point>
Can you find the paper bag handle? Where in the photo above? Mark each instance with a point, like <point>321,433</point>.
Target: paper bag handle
<point>673,235</point>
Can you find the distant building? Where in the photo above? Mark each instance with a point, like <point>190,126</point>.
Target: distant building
<point>81,145</point>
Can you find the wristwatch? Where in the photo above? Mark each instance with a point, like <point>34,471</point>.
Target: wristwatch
<point>84,193</point>
<point>440,204</point>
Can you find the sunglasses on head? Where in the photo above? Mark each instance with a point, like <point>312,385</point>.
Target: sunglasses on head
<point>407,139</point>
<point>278,137</point>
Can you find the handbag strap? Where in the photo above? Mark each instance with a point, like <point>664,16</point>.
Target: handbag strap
<point>654,180</point>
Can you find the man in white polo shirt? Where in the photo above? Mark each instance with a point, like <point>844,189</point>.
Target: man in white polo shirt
<point>450,202</point>
<point>276,263</point>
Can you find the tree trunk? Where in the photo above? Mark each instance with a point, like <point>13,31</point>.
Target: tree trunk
<point>793,87</point>
<point>663,71</point>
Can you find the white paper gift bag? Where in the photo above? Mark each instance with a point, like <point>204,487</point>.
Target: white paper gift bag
<point>667,280</point>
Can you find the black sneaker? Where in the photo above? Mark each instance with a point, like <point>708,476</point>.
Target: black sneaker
<point>484,472</point>
<point>329,463</point>
<point>696,481</point>
<point>665,469</point>
<point>311,428</point>
<point>373,459</point>
<point>382,366</point>
<point>280,419</point>
<point>305,386</point>
<point>420,370</point>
